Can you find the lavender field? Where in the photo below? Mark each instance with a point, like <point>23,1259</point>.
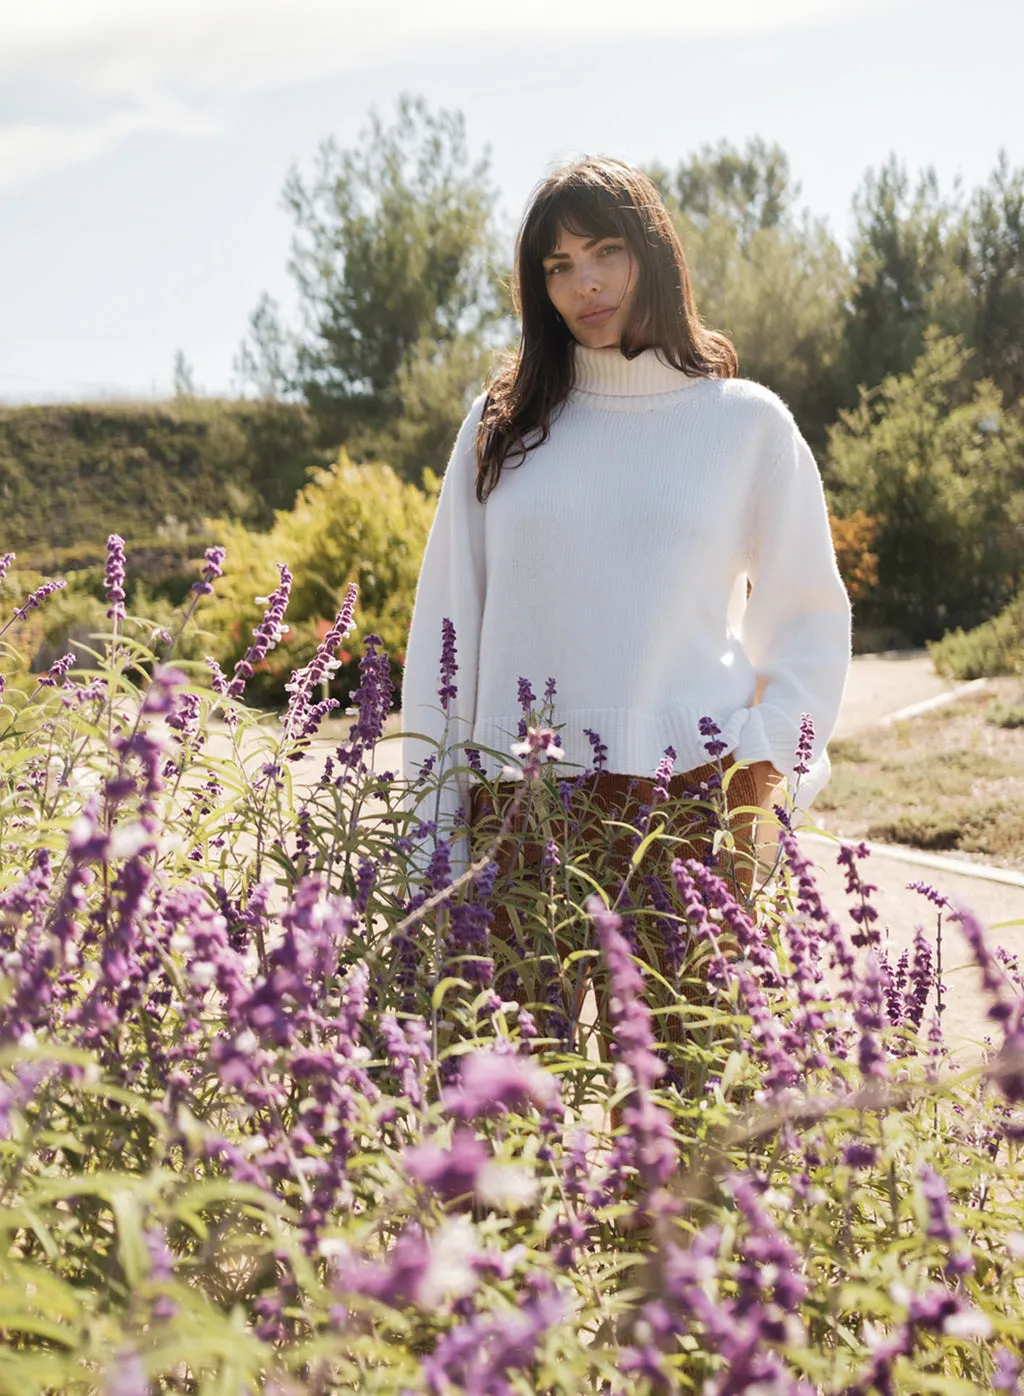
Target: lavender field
<point>268,1125</point>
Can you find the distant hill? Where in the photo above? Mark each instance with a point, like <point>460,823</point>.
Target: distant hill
<point>72,474</point>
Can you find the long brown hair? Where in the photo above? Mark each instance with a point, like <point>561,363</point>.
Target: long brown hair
<point>596,198</point>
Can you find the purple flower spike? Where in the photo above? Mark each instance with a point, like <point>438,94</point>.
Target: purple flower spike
<point>5,564</point>
<point>711,731</point>
<point>399,1280</point>
<point>598,747</point>
<point>492,1082</point>
<point>1005,1008</point>
<point>219,684</point>
<point>859,1155</point>
<point>114,578</point>
<point>865,914</point>
<point>213,567</point>
<point>266,634</point>
<point>805,746</point>
<point>373,696</point>
<point>928,891</point>
<point>527,697</point>
<point>448,691</point>
<point>663,774</point>
<point>1006,1376</point>
<point>303,717</point>
<point>41,594</point>
<point>478,1356</point>
<point>645,1143</point>
<point>58,671</point>
<point>452,1172</point>
<point>941,1226</point>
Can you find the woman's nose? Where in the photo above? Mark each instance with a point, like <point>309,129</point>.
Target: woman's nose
<point>587,280</point>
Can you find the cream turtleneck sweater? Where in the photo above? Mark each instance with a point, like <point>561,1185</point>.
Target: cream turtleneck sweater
<point>617,560</point>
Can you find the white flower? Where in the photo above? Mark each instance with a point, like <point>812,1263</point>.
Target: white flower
<point>81,831</point>
<point>541,740</point>
<point>450,1272</point>
<point>331,1247</point>
<point>972,1324</point>
<point>127,839</point>
<point>870,1336</point>
<point>507,1186</point>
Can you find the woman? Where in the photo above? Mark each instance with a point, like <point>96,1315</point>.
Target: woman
<point>625,515</point>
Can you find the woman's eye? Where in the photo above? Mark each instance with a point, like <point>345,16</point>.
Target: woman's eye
<point>613,247</point>
<point>552,269</point>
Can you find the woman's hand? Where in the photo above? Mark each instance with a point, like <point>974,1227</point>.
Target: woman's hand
<point>766,780</point>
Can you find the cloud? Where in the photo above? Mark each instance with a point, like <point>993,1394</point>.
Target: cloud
<point>177,65</point>
<point>32,148</point>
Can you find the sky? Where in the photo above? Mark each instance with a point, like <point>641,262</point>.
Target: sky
<point>144,143</point>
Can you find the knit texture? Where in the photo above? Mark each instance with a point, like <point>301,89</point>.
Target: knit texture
<point>616,560</point>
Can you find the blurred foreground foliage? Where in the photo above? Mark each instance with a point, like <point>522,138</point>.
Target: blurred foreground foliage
<point>266,1126</point>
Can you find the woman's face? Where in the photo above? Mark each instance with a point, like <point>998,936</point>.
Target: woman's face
<point>591,283</point>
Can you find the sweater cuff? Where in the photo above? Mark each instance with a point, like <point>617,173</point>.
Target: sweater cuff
<point>755,744</point>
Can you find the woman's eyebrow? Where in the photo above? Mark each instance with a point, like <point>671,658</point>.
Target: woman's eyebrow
<point>591,242</point>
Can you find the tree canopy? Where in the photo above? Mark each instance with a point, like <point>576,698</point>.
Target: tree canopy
<point>395,261</point>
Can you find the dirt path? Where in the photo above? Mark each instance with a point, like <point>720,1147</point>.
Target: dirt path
<point>880,684</point>
<point>998,906</point>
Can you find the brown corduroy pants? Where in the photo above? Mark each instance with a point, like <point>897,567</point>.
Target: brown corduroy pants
<point>556,852</point>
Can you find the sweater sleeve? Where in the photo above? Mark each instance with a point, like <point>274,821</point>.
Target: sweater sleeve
<point>796,625</point>
<point>451,586</point>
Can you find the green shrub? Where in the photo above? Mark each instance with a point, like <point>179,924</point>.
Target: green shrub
<point>990,827</point>
<point>939,467</point>
<point>996,647</point>
<point>70,474</point>
<point>352,523</point>
<point>1007,715</point>
<point>919,830</point>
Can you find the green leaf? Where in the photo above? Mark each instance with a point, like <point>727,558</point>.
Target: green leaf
<point>131,1245</point>
<point>440,990</point>
<point>653,837</point>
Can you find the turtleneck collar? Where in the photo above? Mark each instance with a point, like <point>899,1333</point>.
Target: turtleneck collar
<point>607,373</point>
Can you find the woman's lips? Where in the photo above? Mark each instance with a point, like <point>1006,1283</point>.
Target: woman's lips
<point>597,317</point>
